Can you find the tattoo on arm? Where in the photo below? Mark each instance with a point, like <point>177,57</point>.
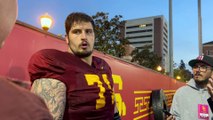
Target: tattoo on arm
<point>53,93</point>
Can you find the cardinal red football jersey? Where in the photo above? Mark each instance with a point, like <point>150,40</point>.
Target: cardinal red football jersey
<point>89,88</point>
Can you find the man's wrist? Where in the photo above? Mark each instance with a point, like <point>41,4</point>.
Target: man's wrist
<point>117,116</point>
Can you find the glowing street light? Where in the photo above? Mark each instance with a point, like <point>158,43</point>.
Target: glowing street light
<point>178,77</point>
<point>46,21</point>
<point>159,68</point>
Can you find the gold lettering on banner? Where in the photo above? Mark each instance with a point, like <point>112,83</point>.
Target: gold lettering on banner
<point>119,102</point>
<point>138,104</point>
<point>142,103</point>
<point>169,96</point>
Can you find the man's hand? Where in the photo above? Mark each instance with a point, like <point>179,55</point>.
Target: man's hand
<point>210,87</point>
<point>171,117</point>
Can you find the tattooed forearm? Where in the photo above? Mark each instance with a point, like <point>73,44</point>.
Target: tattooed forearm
<point>54,94</point>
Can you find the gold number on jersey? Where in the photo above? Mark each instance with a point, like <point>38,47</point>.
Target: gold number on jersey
<point>91,80</point>
<point>108,84</point>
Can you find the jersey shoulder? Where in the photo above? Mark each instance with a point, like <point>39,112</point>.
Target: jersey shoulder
<point>46,62</point>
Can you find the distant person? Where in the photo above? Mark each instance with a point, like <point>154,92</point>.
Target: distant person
<point>75,85</point>
<point>16,103</point>
<point>190,101</point>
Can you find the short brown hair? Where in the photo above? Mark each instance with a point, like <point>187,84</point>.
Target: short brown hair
<point>77,17</point>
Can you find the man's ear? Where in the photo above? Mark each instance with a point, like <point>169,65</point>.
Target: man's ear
<point>67,39</point>
<point>212,74</point>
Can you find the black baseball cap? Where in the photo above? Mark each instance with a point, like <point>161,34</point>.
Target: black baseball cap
<point>202,59</point>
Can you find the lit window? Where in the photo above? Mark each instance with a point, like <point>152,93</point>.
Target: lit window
<point>142,25</point>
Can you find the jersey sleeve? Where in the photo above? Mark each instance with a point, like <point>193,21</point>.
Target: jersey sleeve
<point>46,64</point>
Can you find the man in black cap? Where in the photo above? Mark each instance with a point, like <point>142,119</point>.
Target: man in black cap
<point>190,101</point>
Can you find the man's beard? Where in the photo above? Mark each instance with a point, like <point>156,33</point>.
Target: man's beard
<point>202,82</point>
<point>82,54</point>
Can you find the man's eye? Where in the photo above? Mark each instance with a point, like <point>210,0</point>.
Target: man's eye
<point>203,67</point>
<point>89,31</point>
<point>76,32</point>
<point>195,67</point>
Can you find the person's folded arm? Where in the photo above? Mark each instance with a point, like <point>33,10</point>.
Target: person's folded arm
<point>53,93</point>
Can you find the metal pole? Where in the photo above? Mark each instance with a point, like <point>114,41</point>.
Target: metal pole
<point>199,28</point>
<point>171,74</point>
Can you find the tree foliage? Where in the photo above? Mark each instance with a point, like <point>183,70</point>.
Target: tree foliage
<point>108,33</point>
<point>146,58</point>
<point>182,65</point>
<point>181,71</point>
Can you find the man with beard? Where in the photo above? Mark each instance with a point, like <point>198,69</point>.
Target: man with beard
<point>75,85</point>
<point>190,101</point>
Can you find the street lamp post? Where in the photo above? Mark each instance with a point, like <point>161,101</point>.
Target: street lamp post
<point>46,21</point>
<point>199,28</point>
<point>171,74</point>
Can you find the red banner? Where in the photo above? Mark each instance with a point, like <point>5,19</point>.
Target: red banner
<point>133,83</point>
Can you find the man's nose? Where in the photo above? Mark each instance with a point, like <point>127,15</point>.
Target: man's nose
<point>83,35</point>
<point>197,71</point>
